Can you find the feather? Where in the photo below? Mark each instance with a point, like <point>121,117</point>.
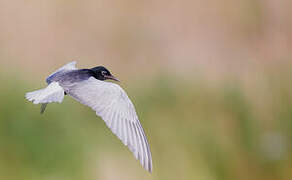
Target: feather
<point>112,104</point>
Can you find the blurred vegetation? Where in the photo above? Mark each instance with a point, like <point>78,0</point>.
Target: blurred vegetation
<point>206,126</point>
<point>197,130</point>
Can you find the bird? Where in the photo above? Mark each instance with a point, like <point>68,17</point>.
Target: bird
<point>107,99</point>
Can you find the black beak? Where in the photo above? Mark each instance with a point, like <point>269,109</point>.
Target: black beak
<point>112,78</point>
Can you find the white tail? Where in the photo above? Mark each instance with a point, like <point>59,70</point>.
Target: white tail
<point>52,93</point>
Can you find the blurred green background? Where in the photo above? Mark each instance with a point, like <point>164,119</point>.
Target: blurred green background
<point>210,80</point>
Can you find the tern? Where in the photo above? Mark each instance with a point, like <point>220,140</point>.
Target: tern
<point>107,99</point>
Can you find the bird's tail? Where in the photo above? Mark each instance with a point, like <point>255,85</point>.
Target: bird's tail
<point>35,96</point>
<point>52,93</point>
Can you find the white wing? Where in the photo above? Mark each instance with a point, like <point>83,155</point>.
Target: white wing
<point>112,104</point>
<point>52,93</point>
<point>68,66</point>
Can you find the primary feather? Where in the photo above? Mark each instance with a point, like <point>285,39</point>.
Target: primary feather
<point>112,104</point>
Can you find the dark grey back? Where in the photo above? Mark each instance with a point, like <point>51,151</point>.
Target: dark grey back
<point>70,77</point>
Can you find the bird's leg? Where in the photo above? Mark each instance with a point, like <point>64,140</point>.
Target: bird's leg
<point>43,107</point>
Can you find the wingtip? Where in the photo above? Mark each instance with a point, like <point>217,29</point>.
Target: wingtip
<point>147,166</point>
<point>150,170</point>
<point>150,167</point>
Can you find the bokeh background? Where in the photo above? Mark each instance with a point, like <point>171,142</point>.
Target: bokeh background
<point>211,82</point>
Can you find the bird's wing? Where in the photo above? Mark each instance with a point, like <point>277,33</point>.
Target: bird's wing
<point>68,66</point>
<point>52,93</point>
<point>112,104</point>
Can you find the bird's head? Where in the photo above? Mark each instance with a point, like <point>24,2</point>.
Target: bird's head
<point>101,73</point>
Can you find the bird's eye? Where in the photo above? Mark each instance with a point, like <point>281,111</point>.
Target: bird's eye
<point>103,72</point>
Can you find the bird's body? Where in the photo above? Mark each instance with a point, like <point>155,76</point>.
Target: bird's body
<point>107,99</point>
<point>69,78</point>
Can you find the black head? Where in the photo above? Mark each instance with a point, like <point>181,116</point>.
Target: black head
<point>101,73</point>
